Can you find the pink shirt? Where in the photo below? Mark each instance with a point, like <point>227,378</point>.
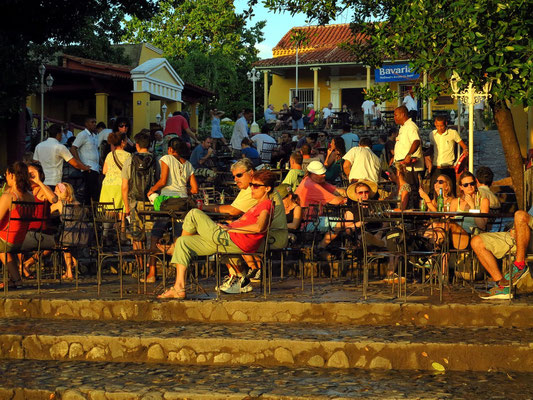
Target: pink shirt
<point>311,115</point>
<point>176,124</point>
<point>311,192</point>
<point>249,242</point>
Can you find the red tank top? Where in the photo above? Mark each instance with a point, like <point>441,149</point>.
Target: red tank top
<point>17,228</point>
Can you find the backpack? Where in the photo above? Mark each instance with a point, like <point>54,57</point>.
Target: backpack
<point>142,176</point>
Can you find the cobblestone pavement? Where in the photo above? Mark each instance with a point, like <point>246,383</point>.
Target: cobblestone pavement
<point>270,332</point>
<point>135,381</point>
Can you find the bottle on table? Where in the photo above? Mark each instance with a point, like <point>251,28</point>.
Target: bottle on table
<point>440,201</point>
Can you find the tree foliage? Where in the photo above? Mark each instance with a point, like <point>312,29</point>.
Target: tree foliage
<point>34,30</point>
<point>207,43</point>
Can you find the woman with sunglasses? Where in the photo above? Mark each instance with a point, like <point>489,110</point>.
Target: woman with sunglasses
<point>122,126</point>
<point>470,199</point>
<point>201,236</point>
<point>442,182</point>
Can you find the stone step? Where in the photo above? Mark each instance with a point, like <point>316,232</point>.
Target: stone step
<point>47,380</point>
<point>246,309</point>
<point>270,345</point>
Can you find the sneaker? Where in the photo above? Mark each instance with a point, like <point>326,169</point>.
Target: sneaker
<point>517,274</point>
<point>498,293</point>
<point>233,285</point>
<point>254,275</point>
<point>246,284</point>
<point>226,282</point>
<point>393,278</point>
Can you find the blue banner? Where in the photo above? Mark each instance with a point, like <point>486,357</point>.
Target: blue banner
<point>395,73</point>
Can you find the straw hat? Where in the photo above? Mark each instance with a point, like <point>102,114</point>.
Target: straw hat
<point>350,192</point>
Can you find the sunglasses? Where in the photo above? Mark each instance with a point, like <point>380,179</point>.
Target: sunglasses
<point>256,185</point>
<point>468,184</point>
<point>122,125</point>
<point>364,192</point>
<point>239,175</point>
<point>440,181</point>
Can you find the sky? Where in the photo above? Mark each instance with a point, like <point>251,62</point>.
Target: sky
<point>278,24</point>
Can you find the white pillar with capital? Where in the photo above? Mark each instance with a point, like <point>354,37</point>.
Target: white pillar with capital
<point>265,88</point>
<point>316,98</point>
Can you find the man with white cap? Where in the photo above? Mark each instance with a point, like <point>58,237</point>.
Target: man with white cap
<point>315,190</point>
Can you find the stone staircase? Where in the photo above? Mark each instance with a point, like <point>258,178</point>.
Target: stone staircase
<point>66,348</point>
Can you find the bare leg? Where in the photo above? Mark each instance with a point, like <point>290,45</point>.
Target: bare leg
<point>460,238</point>
<point>486,258</point>
<point>69,261</point>
<point>521,219</point>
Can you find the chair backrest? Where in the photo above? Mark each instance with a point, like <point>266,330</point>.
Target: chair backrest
<point>21,216</point>
<point>75,230</point>
<point>266,151</point>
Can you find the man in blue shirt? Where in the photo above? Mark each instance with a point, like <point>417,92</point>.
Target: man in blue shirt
<point>201,153</point>
<point>350,139</point>
<point>271,117</point>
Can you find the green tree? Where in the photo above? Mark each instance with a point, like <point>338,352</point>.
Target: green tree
<point>207,43</point>
<point>480,39</point>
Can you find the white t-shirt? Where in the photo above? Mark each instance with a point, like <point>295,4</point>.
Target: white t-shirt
<point>240,131</point>
<point>365,164</point>
<point>327,112</point>
<point>350,140</point>
<point>444,146</point>
<point>406,136</point>
<point>87,145</point>
<point>103,135</point>
<point>368,107</point>
<point>51,155</point>
<point>261,138</point>
<point>410,103</point>
<point>178,176</point>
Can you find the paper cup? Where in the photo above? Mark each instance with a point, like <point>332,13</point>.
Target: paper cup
<point>152,197</point>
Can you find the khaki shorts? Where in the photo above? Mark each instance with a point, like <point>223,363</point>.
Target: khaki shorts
<point>499,243</point>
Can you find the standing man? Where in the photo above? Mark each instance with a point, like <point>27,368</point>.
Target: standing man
<point>410,102</point>
<point>85,150</point>
<point>297,114</point>
<point>369,111</point>
<point>327,114</point>
<point>51,154</point>
<point>240,131</point>
<point>442,151</point>
<point>175,126</point>
<point>408,151</point>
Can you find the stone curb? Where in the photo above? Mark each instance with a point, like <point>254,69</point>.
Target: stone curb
<point>456,315</point>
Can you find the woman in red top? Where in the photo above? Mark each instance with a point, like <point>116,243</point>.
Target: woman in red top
<point>19,189</point>
<point>202,237</point>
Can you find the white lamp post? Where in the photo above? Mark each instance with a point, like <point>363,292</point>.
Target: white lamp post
<point>43,88</point>
<point>158,119</point>
<point>470,97</point>
<point>164,120</point>
<point>254,76</point>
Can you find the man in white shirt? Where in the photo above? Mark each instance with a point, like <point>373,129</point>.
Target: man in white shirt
<point>442,147</point>
<point>408,151</point>
<point>410,102</point>
<point>327,114</point>
<point>265,152</point>
<point>51,154</point>
<point>85,150</point>
<point>240,131</point>
<point>361,162</point>
<point>369,110</point>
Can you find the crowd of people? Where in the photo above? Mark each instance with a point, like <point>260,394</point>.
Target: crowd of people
<point>319,168</point>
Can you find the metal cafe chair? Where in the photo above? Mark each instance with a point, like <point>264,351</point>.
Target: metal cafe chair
<point>27,213</point>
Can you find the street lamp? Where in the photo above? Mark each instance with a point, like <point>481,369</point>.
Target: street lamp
<point>158,119</point>
<point>43,88</point>
<point>164,109</point>
<point>254,76</point>
<point>470,97</point>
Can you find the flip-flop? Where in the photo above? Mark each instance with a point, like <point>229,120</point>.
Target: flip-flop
<point>173,293</point>
<point>167,249</point>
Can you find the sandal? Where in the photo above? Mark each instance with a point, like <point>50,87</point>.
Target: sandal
<point>173,293</point>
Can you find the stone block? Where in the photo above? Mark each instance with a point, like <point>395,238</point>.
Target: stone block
<point>283,356</point>
<point>222,358</point>
<point>156,353</point>
<point>338,360</point>
<point>219,313</point>
<point>116,349</point>
<point>239,316</point>
<point>96,395</point>
<point>380,363</point>
<point>316,361</point>
<point>59,350</point>
<point>75,351</point>
<point>97,354</point>
<point>72,394</point>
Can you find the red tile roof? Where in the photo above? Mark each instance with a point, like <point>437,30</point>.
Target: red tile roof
<point>322,47</point>
<point>105,68</point>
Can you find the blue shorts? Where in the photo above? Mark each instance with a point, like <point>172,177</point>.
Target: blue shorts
<point>299,124</point>
<point>323,225</point>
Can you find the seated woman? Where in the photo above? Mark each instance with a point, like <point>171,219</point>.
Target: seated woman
<point>202,237</point>
<point>12,233</point>
<point>333,162</point>
<point>74,233</point>
<point>470,199</point>
<point>44,195</point>
<point>293,210</point>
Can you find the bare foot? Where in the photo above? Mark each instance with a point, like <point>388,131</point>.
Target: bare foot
<point>173,293</point>
<point>164,248</point>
